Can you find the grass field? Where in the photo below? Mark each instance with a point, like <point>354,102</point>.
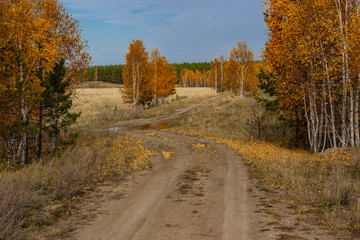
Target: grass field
<point>103,105</point>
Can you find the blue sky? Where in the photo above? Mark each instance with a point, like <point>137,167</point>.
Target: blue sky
<point>183,30</point>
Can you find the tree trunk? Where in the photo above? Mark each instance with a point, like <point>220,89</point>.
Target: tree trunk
<point>356,125</point>
<point>134,82</point>
<point>222,76</point>
<point>216,83</point>
<point>345,76</point>
<point>24,111</point>
<point>55,124</point>
<point>332,111</point>
<point>24,155</point>
<point>308,123</point>
<point>351,116</point>
<point>155,93</point>
<point>329,93</point>
<point>39,135</point>
<point>242,82</point>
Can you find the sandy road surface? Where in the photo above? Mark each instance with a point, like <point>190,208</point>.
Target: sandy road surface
<point>201,192</point>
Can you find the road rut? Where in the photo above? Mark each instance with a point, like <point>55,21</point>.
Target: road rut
<point>201,192</point>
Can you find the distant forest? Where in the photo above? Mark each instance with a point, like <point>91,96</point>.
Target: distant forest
<point>113,73</point>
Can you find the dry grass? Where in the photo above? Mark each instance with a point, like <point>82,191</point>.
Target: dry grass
<point>242,119</point>
<point>39,194</point>
<point>324,184</point>
<point>101,106</point>
<point>99,85</point>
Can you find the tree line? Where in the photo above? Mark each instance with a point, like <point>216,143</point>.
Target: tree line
<point>42,54</point>
<point>195,66</point>
<point>113,73</point>
<point>313,52</point>
<point>237,73</point>
<point>107,73</point>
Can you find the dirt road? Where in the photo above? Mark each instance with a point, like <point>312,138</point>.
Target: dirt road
<point>142,123</point>
<point>200,192</point>
<point>195,189</point>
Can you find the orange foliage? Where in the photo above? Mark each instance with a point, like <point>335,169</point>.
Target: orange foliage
<point>163,78</point>
<point>34,35</point>
<point>137,74</point>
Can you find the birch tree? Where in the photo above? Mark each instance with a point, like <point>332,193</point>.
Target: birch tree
<point>137,74</point>
<point>313,50</point>
<point>244,57</point>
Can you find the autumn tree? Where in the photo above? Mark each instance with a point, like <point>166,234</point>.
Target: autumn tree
<point>31,48</point>
<point>137,75</point>
<point>163,78</point>
<point>231,75</point>
<point>244,57</point>
<point>313,53</point>
<point>36,34</point>
<point>222,61</point>
<point>216,74</point>
<point>68,71</point>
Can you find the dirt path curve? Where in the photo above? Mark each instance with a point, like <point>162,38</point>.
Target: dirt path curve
<point>177,114</point>
<point>201,192</point>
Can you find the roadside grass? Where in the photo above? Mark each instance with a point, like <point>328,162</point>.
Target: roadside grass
<point>101,106</point>
<point>39,194</point>
<point>327,184</point>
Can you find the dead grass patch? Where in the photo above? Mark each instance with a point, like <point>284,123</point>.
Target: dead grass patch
<point>101,106</point>
<point>39,194</point>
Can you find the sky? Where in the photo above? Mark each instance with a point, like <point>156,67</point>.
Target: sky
<point>182,30</point>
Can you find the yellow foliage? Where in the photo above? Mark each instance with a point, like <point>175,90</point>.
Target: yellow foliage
<point>158,136</point>
<point>167,155</point>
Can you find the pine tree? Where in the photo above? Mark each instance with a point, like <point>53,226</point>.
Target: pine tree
<point>56,103</point>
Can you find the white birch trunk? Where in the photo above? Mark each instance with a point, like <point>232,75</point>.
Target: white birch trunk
<point>216,83</point>
<point>137,95</point>
<point>356,124</point>
<point>345,75</point>
<point>242,82</point>
<point>24,111</point>
<point>156,80</point>
<point>307,118</point>
<point>134,82</point>
<point>222,74</point>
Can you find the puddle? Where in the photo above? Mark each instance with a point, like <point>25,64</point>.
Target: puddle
<point>162,125</point>
<point>116,128</point>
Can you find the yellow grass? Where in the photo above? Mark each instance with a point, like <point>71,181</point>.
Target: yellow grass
<point>99,85</point>
<point>102,105</point>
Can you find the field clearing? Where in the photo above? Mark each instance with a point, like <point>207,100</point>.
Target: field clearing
<point>104,105</point>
